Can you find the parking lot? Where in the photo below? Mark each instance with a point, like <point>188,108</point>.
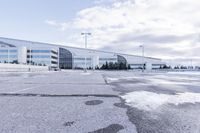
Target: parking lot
<point>99,102</point>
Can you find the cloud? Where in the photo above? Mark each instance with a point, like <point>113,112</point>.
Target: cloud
<point>61,26</point>
<point>151,38</point>
<point>168,28</point>
<point>51,22</point>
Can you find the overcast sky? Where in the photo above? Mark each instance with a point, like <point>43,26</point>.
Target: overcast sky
<point>167,28</point>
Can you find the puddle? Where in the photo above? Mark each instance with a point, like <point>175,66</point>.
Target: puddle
<point>94,102</point>
<point>114,128</point>
<point>69,123</point>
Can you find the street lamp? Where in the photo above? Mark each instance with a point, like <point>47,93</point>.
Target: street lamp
<point>142,46</point>
<point>86,34</point>
<point>93,60</point>
<point>30,58</point>
<point>191,64</point>
<point>8,55</point>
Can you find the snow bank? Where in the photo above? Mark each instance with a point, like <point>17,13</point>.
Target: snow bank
<point>145,100</point>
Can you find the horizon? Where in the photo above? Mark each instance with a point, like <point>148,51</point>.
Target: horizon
<point>169,35</point>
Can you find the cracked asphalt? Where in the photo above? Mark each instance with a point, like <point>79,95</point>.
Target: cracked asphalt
<point>95,102</point>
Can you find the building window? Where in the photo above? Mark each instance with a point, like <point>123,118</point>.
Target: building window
<point>65,59</point>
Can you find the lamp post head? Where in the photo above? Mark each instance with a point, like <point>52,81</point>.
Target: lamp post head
<point>86,33</point>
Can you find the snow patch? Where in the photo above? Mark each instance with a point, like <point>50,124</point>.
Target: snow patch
<point>121,78</point>
<point>186,73</point>
<point>145,100</point>
<point>86,73</point>
<point>112,79</point>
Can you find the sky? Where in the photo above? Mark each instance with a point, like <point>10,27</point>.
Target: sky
<point>168,29</point>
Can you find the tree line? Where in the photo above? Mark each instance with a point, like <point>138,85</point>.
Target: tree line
<point>114,66</point>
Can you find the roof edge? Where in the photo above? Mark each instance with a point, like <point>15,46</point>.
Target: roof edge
<point>78,48</point>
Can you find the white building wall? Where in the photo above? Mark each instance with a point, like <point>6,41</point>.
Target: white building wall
<point>148,66</point>
<point>137,61</point>
<point>98,58</point>
<point>94,55</point>
<point>22,55</point>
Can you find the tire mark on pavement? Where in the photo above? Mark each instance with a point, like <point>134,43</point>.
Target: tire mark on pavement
<point>30,88</point>
<point>94,102</point>
<point>114,128</point>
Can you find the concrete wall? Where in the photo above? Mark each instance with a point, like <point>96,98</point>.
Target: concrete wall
<point>148,66</point>
<point>21,68</point>
<point>22,55</point>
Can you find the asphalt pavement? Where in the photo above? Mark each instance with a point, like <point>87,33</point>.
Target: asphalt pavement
<point>99,102</point>
<point>60,102</point>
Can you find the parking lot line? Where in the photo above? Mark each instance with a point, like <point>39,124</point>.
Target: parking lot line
<point>30,88</point>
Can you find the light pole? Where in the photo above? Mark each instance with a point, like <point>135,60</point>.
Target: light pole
<point>191,64</point>
<point>93,60</point>
<point>142,46</point>
<point>8,55</point>
<point>30,59</point>
<point>86,34</point>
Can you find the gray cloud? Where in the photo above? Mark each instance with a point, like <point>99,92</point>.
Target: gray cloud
<point>152,38</point>
<point>168,29</point>
<point>153,50</point>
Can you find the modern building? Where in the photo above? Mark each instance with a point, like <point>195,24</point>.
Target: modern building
<point>64,57</point>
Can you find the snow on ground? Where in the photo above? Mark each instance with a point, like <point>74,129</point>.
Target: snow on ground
<point>173,78</point>
<point>142,91</point>
<point>181,83</point>
<point>186,72</point>
<point>112,79</point>
<point>174,81</point>
<point>145,100</point>
<point>85,73</point>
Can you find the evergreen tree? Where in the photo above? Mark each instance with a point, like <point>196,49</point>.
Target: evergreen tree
<point>106,67</point>
<point>129,66</point>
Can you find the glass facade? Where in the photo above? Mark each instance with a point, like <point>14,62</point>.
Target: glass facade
<point>79,62</point>
<point>136,66</point>
<point>42,57</point>
<point>35,57</point>
<point>121,59</point>
<point>23,52</point>
<point>40,51</point>
<point>108,60</point>
<point>8,55</point>
<point>65,59</point>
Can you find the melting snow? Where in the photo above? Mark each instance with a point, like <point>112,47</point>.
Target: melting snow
<point>86,73</point>
<point>145,100</point>
<point>112,79</point>
<point>186,73</point>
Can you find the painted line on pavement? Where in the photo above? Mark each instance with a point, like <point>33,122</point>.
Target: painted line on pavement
<point>30,88</point>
